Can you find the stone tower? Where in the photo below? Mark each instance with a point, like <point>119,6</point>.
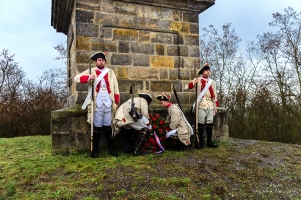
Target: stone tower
<point>150,43</point>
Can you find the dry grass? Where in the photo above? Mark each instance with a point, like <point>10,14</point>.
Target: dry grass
<point>238,169</point>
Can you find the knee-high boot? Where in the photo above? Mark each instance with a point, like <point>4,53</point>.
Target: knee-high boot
<point>209,128</point>
<point>201,137</point>
<point>95,142</point>
<point>129,145</point>
<point>110,140</point>
<point>138,147</point>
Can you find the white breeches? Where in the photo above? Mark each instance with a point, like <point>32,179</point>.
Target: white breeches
<point>136,125</point>
<point>102,116</point>
<point>206,116</point>
<point>170,133</point>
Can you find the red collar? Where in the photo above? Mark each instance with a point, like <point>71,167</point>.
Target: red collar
<point>169,105</point>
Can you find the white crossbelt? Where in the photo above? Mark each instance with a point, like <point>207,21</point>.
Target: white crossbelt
<point>203,92</point>
<point>187,123</point>
<point>98,79</point>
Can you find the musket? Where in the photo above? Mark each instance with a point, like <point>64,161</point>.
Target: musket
<point>92,113</point>
<point>134,112</point>
<point>176,95</point>
<point>196,112</point>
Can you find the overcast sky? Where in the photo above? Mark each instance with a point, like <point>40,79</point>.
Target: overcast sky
<point>26,31</point>
<point>249,18</point>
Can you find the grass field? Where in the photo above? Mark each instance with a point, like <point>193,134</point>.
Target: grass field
<point>238,169</point>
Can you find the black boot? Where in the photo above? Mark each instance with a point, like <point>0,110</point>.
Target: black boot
<point>95,143</point>
<point>110,140</point>
<point>181,146</point>
<point>129,145</point>
<point>141,138</point>
<point>210,144</point>
<point>201,137</point>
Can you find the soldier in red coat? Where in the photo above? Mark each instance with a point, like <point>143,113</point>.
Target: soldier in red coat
<point>207,104</point>
<point>106,100</point>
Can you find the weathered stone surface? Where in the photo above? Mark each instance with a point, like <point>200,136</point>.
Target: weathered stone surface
<point>125,8</point>
<point>160,49</point>
<point>191,17</point>
<point>164,25</point>
<point>161,38</point>
<point>82,67</point>
<point>81,87</point>
<point>180,39</point>
<point>142,48</point>
<point>84,16</point>
<point>183,51</point>
<point>177,85</point>
<point>160,86</point>
<point>87,6</point>
<point>143,73</point>
<point>163,74</point>
<point>125,85</point>
<point>189,62</point>
<point>179,74</point>
<point>194,28</point>
<point>108,7</point>
<point>172,50</point>
<point>103,45</point>
<point>68,130</point>
<point>144,36</point>
<point>90,2</point>
<point>121,59</point>
<point>81,96</point>
<point>88,30</point>
<point>180,27</point>
<point>104,19</point>
<point>83,43</point>
<point>106,33</point>
<point>161,62</point>
<point>121,73</point>
<point>194,51</point>
<point>178,63</point>
<point>123,47</point>
<point>82,57</point>
<point>192,40</point>
<point>125,35</point>
<point>141,60</point>
<point>177,15</point>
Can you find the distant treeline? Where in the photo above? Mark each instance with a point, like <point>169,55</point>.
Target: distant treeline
<point>25,106</point>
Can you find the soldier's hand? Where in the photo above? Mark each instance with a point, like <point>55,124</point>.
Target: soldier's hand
<point>195,81</point>
<point>92,77</point>
<point>117,105</point>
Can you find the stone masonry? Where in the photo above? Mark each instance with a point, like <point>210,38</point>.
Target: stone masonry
<point>153,44</point>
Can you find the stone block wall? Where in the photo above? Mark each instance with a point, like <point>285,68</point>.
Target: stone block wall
<point>153,44</point>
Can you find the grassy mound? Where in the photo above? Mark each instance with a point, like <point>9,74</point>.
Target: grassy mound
<point>238,169</point>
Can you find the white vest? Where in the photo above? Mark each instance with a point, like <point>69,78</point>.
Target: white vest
<point>103,96</point>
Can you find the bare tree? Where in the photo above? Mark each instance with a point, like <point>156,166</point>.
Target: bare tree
<point>11,77</point>
<point>25,106</point>
<point>222,52</point>
<point>288,38</point>
<point>62,53</point>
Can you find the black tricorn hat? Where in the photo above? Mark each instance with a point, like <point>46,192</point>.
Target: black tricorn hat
<point>163,97</point>
<point>148,97</point>
<point>205,67</point>
<point>97,55</point>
